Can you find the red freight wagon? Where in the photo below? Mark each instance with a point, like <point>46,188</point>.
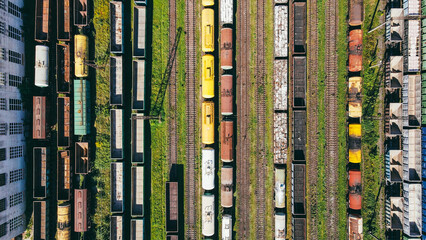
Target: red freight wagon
<point>355,189</point>
<point>39,117</point>
<point>226,48</point>
<point>227,134</point>
<point>226,94</point>
<point>80,210</point>
<point>355,50</point>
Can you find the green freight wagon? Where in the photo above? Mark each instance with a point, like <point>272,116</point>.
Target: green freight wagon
<point>81,107</point>
<point>423,98</point>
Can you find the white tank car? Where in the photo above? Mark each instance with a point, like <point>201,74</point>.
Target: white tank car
<point>208,170</point>
<point>227,227</point>
<point>208,217</point>
<point>279,188</point>
<point>280,226</point>
<point>226,11</point>
<point>41,75</point>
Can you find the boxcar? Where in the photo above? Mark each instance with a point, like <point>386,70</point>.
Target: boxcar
<point>138,98</point>
<point>226,139</point>
<point>355,99</point>
<point>279,187</point>
<point>137,191</point>
<point>226,11</point>
<point>63,230</point>
<point>355,143</point>
<point>116,142</point>
<point>207,30</point>
<point>41,29</point>
<point>40,220</point>
<point>80,210</point>
<point>41,68</point>
<point>299,27</point>
<point>227,95</point>
<point>207,215</point>
<point>64,176</point>
<point>39,117</point>
<point>356,12</point>
<point>355,226</point>
<point>81,157</point>
<point>81,52</point>
<point>116,228</point>
<point>172,207</point>
<point>117,187</point>
<point>64,122</point>
<point>139,31</point>
<point>136,229</point>
<point>63,68</point>
<point>208,169</point>
<point>116,23</point>
<point>81,107</point>
<point>280,137</point>
<point>281,31</point>
<point>207,76</point>
<point>207,126</point>
<point>116,80</point>
<point>280,84</point>
<point>298,189</point>
<point>355,189</point>
<point>355,50</point>
<point>280,226</point>
<point>226,189</point>
<point>226,227</point>
<point>207,3</point>
<point>299,133</point>
<point>299,82</point>
<point>226,48</point>
<point>299,228</point>
<point>80,13</point>
<point>40,178</point>
<point>63,20</point>
<point>138,138</point>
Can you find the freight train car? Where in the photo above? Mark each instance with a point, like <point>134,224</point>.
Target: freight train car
<point>81,157</point>
<point>226,48</point>
<point>139,31</point>
<point>63,20</point>
<point>172,207</point>
<point>226,188</point>
<point>80,13</point>
<point>41,26</point>
<point>116,228</point>
<point>226,227</point>
<point>299,82</point>
<point>280,226</point>
<point>279,188</point>
<point>116,23</point>
<point>354,97</point>
<point>281,31</point>
<point>117,187</point>
<point>412,155</point>
<point>39,117</point>
<point>280,138</point>
<point>280,84</point>
<point>63,176</point>
<point>63,68</point>
<point>355,50</point>
<point>299,27</point>
<point>207,76</point>
<point>356,12</point>
<point>116,143</point>
<point>226,95</point>
<point>137,203</point>
<point>355,226</point>
<point>207,3</point>
<point>207,126</point>
<point>227,143</point>
<point>411,100</point>
<point>138,98</point>
<point>80,210</point>
<point>355,189</point>
<point>208,169</point>
<point>299,133</point>
<point>41,68</point>
<point>40,220</point>
<point>64,122</point>
<point>207,30</point>
<point>299,228</point>
<point>138,138</point>
<point>81,53</point>
<point>81,107</point>
<point>63,230</point>
<point>40,172</point>
<point>226,12</point>
<point>116,80</point>
<point>207,215</point>
<point>136,229</point>
<point>172,237</point>
<point>354,143</point>
<point>298,189</point>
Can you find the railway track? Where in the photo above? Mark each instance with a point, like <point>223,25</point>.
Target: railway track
<point>331,132</point>
<point>261,121</point>
<point>191,118</point>
<point>243,144</point>
<point>173,136</point>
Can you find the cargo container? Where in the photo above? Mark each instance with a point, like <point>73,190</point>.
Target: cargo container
<point>299,27</point>
<point>355,50</point>
<point>280,1</point>
<point>80,13</point>
<point>208,168</point>
<point>280,84</point>
<point>172,207</point>
<point>394,213</point>
<point>395,25</point>
<point>40,220</point>
<point>137,191</point>
<point>355,189</point>
<point>116,23</point>
<point>299,82</point>
<point>411,46</point>
<point>298,189</point>
<point>63,231</point>
<point>80,210</point>
<point>41,67</point>
<point>299,229</point>
<point>139,31</point>
<point>280,226</point>
<point>81,54</point>
<point>116,228</point>
<point>117,187</point>
<point>207,76</point>
<point>394,73</point>
<point>116,80</point>
<point>64,126</point>
<point>207,3</point>
<point>394,126</point>
<point>281,31</point>
<point>226,189</point>
<point>81,107</point>
<point>41,26</point>
<point>81,157</point>
<point>226,57</point>
<point>412,193</point>
<point>226,140</point>
<point>411,155</point>
<point>138,138</point>
<point>280,138</point>
<point>64,176</point>
<point>40,172</point>
<point>138,99</point>
<point>39,117</point>
<point>63,68</point>
<point>226,95</point>
<point>299,133</point>
<point>354,97</point>
<point>393,164</point>
<point>356,12</point>
<point>207,215</point>
<point>136,229</point>
<point>63,20</point>
<point>355,227</point>
<point>226,227</point>
<point>207,126</point>
<point>226,12</point>
<point>411,7</point>
<point>207,30</point>
<point>279,187</point>
<point>354,143</point>
<point>411,100</point>
<point>116,142</point>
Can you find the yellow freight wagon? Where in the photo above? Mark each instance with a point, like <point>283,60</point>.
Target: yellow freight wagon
<point>208,76</point>
<point>355,107</point>
<point>81,43</point>
<point>207,126</point>
<point>207,3</point>
<point>207,28</point>
<point>64,222</point>
<point>355,143</point>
